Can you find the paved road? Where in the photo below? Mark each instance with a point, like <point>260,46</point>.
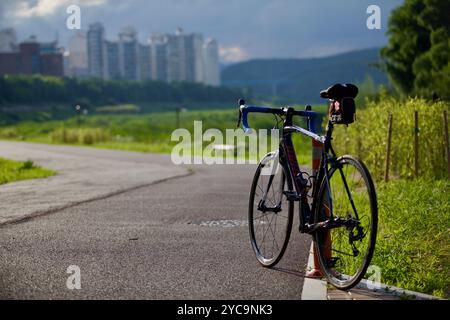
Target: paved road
<point>83,174</point>
<point>149,243</point>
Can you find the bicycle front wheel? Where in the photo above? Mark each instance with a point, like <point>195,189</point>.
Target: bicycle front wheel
<point>270,213</point>
<point>345,251</point>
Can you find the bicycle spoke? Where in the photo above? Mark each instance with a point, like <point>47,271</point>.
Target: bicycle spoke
<point>350,243</point>
<point>270,229</point>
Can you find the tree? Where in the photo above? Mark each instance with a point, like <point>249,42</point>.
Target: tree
<point>417,57</point>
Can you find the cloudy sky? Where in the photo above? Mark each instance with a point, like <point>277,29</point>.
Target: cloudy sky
<point>245,29</point>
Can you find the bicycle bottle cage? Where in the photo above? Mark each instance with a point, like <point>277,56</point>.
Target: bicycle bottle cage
<point>342,108</point>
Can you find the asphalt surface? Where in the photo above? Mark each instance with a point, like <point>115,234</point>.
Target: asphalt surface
<point>82,174</point>
<point>152,242</point>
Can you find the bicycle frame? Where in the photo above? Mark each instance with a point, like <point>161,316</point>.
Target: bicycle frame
<point>287,155</point>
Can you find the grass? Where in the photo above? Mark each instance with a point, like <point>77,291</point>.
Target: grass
<point>118,109</point>
<point>13,171</point>
<point>367,137</point>
<point>143,133</point>
<point>413,243</point>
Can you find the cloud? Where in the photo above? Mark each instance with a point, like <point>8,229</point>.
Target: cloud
<point>42,8</point>
<point>233,54</point>
<point>244,29</point>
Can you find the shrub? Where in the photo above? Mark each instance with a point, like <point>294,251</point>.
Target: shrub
<point>367,137</point>
<point>88,136</point>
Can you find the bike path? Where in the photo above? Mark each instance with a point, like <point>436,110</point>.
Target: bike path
<point>183,238</point>
<point>83,174</point>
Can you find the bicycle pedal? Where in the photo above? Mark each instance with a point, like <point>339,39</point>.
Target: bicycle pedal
<point>291,195</point>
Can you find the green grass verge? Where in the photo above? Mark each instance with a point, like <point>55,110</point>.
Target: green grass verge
<point>13,171</point>
<point>413,244</point>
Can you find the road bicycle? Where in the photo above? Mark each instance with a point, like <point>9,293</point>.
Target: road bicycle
<point>337,202</point>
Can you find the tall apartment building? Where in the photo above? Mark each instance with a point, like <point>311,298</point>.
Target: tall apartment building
<point>145,65</point>
<point>159,61</point>
<point>211,69</point>
<point>166,57</point>
<point>95,39</point>
<point>176,57</point>
<point>128,54</point>
<point>111,70</point>
<point>194,57</point>
<point>78,56</point>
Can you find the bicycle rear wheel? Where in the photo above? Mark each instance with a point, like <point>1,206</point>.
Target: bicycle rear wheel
<point>345,252</point>
<point>270,213</point>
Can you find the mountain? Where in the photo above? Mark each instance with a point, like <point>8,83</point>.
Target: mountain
<point>300,80</point>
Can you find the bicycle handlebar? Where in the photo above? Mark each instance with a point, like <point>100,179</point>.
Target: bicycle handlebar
<point>245,109</point>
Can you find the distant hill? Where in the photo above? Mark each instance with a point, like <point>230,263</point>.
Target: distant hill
<point>300,80</point>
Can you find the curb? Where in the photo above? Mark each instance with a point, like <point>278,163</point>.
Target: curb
<point>313,289</point>
<point>385,289</point>
<point>317,289</point>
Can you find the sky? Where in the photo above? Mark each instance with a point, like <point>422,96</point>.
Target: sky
<point>244,29</point>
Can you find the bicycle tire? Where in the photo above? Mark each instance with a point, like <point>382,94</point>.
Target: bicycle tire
<point>255,225</point>
<point>327,242</point>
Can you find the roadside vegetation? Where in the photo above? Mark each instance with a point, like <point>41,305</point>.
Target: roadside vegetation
<point>367,137</point>
<point>138,132</point>
<point>413,247</point>
<point>413,243</point>
<point>14,170</point>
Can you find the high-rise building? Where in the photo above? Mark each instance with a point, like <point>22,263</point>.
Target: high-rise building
<point>185,57</point>
<point>166,57</point>
<point>211,69</point>
<point>111,70</point>
<point>128,54</point>
<point>8,40</point>
<point>159,59</point>
<point>78,56</point>
<point>145,65</point>
<point>95,39</point>
<point>193,57</point>
<point>176,57</point>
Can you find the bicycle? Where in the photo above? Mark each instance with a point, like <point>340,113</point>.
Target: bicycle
<point>342,216</point>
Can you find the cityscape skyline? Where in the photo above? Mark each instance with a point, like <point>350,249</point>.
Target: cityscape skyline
<point>250,29</point>
<point>165,57</point>
<point>181,57</point>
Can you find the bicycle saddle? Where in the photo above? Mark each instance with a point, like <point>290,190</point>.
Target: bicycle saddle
<point>339,91</point>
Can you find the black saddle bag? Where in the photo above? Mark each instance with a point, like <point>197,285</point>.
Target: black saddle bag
<point>342,111</point>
